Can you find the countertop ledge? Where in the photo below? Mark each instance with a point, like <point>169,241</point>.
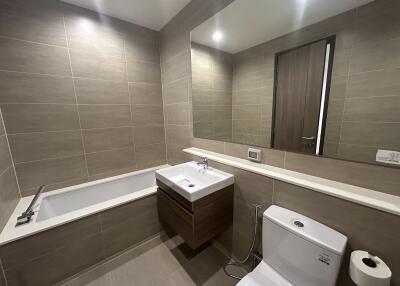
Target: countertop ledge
<point>377,200</point>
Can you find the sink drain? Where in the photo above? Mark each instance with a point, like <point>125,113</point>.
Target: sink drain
<point>191,185</point>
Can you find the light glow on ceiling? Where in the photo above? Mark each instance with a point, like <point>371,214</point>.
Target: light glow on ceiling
<point>217,36</point>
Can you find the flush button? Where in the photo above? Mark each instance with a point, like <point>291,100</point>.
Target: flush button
<point>298,223</point>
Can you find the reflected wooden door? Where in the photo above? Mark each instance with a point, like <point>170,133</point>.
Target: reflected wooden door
<point>298,89</point>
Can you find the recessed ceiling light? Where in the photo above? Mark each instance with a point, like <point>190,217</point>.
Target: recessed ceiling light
<point>217,36</point>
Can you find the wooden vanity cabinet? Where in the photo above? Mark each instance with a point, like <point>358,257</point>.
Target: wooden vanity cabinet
<point>199,221</point>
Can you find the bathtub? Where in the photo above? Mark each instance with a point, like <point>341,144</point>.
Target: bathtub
<point>65,205</point>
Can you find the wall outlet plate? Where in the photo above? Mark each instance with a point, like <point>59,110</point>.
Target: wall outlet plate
<point>254,154</point>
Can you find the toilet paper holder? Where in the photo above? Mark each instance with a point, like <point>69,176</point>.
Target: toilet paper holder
<point>368,270</point>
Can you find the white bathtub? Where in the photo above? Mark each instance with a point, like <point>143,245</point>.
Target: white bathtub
<point>61,206</point>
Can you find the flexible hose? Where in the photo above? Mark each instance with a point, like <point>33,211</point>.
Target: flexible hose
<point>253,242</point>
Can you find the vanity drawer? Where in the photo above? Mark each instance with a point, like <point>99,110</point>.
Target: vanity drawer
<point>176,216</point>
<point>199,221</point>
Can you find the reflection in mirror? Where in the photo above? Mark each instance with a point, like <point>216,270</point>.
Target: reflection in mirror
<point>316,77</point>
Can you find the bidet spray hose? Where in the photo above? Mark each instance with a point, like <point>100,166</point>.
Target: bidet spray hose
<point>253,242</point>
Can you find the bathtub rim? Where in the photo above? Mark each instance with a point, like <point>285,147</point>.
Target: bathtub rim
<point>10,233</point>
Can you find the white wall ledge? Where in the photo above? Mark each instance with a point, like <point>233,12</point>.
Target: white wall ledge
<point>377,200</point>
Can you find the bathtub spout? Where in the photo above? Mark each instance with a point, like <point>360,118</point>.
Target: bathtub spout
<point>26,216</point>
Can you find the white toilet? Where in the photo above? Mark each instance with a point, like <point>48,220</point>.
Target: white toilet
<point>297,251</point>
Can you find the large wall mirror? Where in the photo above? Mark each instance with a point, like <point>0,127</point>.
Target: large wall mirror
<point>319,77</point>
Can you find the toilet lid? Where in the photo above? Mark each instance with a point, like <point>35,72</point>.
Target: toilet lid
<point>264,275</point>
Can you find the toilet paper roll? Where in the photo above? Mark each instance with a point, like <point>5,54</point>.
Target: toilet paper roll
<point>368,270</point>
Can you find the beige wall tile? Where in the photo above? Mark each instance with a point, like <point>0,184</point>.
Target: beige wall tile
<point>97,66</point>
<point>122,230</point>
<point>215,146</point>
<point>143,93</point>
<point>9,195</point>
<point>375,83</point>
<point>373,177</point>
<point>36,21</point>
<point>45,145</point>
<point>176,67</point>
<point>85,253</point>
<point>89,91</point>
<point>32,88</point>
<point>176,91</point>
<point>93,36</point>
<point>31,57</point>
<point>178,113</point>
<point>13,254</point>
<point>147,115</point>
<point>147,135</point>
<point>371,134</point>
<point>374,109</point>
<point>96,140</point>
<point>104,116</point>
<point>143,72</point>
<point>376,56</point>
<point>107,161</point>
<point>33,174</point>
<point>5,156</point>
<point>142,49</point>
<point>150,153</point>
<point>178,134</point>
<point>21,118</point>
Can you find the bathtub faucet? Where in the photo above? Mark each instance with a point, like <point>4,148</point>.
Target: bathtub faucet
<point>26,216</point>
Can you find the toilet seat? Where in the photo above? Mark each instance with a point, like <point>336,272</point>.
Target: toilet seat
<point>264,275</point>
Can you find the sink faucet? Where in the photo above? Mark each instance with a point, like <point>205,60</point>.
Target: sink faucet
<point>204,162</point>
<point>26,216</point>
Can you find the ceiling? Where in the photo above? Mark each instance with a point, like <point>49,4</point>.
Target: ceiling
<point>247,23</point>
<point>153,14</point>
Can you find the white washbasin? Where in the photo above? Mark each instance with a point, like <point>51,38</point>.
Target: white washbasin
<point>194,182</point>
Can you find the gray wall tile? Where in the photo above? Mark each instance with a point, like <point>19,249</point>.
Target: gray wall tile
<point>33,174</point>
<point>96,140</point>
<point>35,58</point>
<point>32,88</point>
<point>143,72</point>
<point>21,118</point>
<point>103,116</point>
<point>5,156</point>
<point>150,153</point>
<point>143,93</point>
<point>107,161</point>
<point>9,195</point>
<point>147,135</point>
<point>36,21</point>
<point>89,91</point>
<point>97,66</point>
<point>147,115</point>
<point>45,145</point>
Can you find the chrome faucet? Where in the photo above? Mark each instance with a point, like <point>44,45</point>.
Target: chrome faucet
<point>204,162</point>
<point>26,216</point>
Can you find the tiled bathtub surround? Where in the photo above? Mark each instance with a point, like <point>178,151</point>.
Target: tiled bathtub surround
<point>56,254</point>
<point>80,94</point>
<point>9,191</point>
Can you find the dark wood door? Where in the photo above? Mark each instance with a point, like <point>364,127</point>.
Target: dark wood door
<point>298,92</point>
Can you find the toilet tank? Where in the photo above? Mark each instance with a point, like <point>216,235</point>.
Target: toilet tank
<point>304,251</point>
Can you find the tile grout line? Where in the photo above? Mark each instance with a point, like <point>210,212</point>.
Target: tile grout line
<point>3,272</point>
<point>75,77</point>
<point>163,101</point>
<point>76,97</point>
<point>130,105</point>
<point>11,155</point>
